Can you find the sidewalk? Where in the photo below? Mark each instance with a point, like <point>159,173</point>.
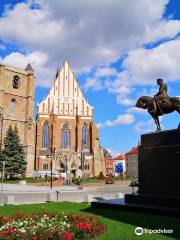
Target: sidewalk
<point>17,188</point>
<point>99,185</point>
<point>59,185</point>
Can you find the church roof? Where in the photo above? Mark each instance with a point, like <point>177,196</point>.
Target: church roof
<point>65,97</point>
<point>29,67</point>
<point>107,154</point>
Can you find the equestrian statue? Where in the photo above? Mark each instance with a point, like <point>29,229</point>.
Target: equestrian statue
<point>160,104</point>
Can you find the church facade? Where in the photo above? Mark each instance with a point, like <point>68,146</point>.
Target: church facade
<point>17,108</point>
<point>65,130</point>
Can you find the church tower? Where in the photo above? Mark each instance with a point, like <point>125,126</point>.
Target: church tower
<point>17,107</point>
<point>65,123</point>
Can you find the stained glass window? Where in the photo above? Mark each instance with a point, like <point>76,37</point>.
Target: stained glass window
<point>45,135</point>
<point>85,136</point>
<point>65,136</point>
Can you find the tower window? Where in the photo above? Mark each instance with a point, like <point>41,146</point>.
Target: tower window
<point>12,105</point>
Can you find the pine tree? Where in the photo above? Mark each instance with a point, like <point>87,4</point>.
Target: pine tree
<point>13,153</point>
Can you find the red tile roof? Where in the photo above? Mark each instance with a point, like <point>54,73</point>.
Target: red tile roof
<point>133,151</point>
<point>120,157</point>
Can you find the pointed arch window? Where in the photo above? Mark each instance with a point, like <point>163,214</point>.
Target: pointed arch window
<point>45,135</point>
<point>84,136</point>
<point>12,105</point>
<point>65,136</point>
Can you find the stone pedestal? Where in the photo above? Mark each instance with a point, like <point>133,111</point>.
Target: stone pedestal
<point>159,170</point>
<point>159,177</point>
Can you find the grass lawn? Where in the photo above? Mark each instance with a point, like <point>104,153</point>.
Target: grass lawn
<point>120,224</point>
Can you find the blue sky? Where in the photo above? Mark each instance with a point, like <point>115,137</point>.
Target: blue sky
<point>117,49</point>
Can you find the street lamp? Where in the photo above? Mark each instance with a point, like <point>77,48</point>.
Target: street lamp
<point>3,162</point>
<point>52,155</point>
<point>2,177</point>
<point>1,119</point>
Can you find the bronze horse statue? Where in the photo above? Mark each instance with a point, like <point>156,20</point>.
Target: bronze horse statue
<point>170,105</point>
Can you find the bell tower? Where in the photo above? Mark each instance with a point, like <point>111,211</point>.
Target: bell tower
<point>17,104</point>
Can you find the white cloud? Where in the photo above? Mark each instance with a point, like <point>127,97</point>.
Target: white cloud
<point>93,83</point>
<point>114,88</point>
<point>93,33</point>
<point>99,125</point>
<point>106,72</point>
<point>164,29</point>
<point>125,101</point>
<point>146,126</point>
<point>120,120</point>
<point>136,110</point>
<point>144,66</point>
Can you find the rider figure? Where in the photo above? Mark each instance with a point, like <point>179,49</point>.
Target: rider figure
<point>161,96</point>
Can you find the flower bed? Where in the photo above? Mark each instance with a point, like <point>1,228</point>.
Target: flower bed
<point>45,226</point>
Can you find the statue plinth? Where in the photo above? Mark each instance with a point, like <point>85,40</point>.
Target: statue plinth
<point>159,177</point>
<point>159,169</point>
<point>159,163</point>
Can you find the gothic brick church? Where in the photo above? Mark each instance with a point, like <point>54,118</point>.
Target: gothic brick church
<point>64,126</point>
<point>65,123</point>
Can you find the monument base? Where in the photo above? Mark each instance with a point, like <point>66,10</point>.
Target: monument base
<point>159,177</point>
<point>151,200</point>
<point>121,205</point>
<point>159,164</point>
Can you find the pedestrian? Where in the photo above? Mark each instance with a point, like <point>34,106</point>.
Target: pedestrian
<point>46,177</point>
<point>79,180</point>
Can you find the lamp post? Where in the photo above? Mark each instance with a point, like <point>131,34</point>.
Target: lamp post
<point>1,119</point>
<point>3,165</point>
<point>52,155</point>
<point>2,177</point>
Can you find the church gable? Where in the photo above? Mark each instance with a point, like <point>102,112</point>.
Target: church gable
<point>65,97</point>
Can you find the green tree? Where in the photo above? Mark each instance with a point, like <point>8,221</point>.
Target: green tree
<point>13,153</point>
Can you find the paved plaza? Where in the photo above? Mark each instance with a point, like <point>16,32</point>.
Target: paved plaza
<point>26,194</point>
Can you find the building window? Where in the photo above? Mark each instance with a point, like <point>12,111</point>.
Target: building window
<point>84,136</point>
<point>12,105</point>
<point>45,166</point>
<point>65,136</point>
<point>45,135</point>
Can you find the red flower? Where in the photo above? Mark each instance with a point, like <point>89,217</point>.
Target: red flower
<point>67,236</point>
<point>90,217</point>
<point>84,226</point>
<point>35,238</point>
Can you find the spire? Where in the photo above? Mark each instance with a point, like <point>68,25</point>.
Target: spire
<point>29,68</point>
